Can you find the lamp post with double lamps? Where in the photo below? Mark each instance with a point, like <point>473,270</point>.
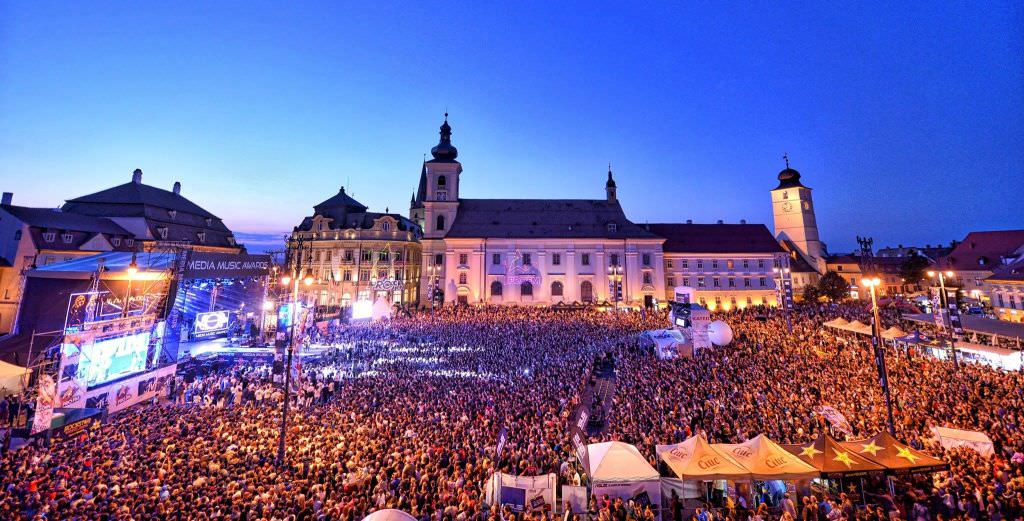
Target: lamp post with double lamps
<point>944,312</point>
<point>292,282</point>
<point>780,280</point>
<point>876,341</point>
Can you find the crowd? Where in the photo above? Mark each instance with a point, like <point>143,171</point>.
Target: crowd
<point>406,415</point>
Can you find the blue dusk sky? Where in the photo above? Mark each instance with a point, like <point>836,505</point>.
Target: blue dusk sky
<point>907,119</point>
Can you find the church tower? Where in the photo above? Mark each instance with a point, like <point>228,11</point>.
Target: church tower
<point>609,187</point>
<point>794,219</point>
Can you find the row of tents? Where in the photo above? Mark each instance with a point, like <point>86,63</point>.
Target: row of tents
<point>893,333</point>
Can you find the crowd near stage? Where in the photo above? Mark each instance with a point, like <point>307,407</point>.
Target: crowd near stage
<point>519,413</point>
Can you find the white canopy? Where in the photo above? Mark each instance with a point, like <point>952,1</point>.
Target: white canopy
<point>766,460</point>
<point>696,459</point>
<point>953,438</point>
<point>11,378</point>
<point>389,514</point>
<point>893,333</point>
<point>381,310</point>
<point>617,461</point>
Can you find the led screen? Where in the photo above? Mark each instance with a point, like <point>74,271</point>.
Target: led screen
<point>113,358</point>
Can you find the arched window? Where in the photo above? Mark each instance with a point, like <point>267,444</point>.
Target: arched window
<point>441,181</point>
<point>556,289</point>
<point>496,288</point>
<point>526,289</point>
<point>462,278</point>
<point>440,223</point>
<point>587,291</point>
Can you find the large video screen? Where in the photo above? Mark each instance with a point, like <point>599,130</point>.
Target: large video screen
<point>113,358</point>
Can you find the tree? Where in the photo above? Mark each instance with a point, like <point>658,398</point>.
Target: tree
<point>913,268</point>
<point>811,293</point>
<point>833,286</point>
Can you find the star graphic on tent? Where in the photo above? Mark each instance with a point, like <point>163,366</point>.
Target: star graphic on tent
<point>844,458</point>
<point>809,451</point>
<point>903,452</point>
<point>871,448</point>
<point>852,488</point>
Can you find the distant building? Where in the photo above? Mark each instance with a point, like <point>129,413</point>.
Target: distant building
<point>729,266</point>
<point>931,252</point>
<point>853,268</point>
<point>156,217</point>
<point>355,254</point>
<point>1005,290</point>
<point>978,256</point>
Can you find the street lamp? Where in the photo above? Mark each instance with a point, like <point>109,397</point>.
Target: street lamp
<point>780,278</point>
<point>287,281</point>
<point>944,303</point>
<point>615,274</point>
<point>876,340</point>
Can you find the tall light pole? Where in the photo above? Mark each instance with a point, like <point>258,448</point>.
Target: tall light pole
<point>944,312</point>
<point>615,274</point>
<point>291,281</point>
<point>780,279</point>
<point>876,341</point>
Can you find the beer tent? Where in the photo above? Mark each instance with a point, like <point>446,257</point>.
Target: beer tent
<point>767,460</point>
<point>619,470</point>
<point>389,514</point>
<point>895,456</point>
<point>832,459</point>
<point>696,459</point>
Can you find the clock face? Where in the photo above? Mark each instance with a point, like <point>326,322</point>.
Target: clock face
<point>787,206</point>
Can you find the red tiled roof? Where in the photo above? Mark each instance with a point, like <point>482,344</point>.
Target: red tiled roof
<point>716,238</point>
<point>983,250</point>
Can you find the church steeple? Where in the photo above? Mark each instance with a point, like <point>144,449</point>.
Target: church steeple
<point>444,151</point>
<point>609,186</point>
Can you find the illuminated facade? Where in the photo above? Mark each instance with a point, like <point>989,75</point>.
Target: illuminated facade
<point>353,254</point>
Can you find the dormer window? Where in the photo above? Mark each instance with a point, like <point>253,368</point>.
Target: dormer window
<point>201,236</point>
<point>172,213</point>
<point>129,242</point>
<point>162,231</point>
<point>385,226</point>
<point>49,236</point>
<point>612,227</point>
<point>115,242</point>
<point>209,221</point>
<point>67,238</point>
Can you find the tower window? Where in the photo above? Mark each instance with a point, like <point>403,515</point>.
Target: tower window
<point>441,181</point>
<point>785,195</point>
<point>440,223</point>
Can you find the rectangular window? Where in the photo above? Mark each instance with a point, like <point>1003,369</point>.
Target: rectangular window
<point>700,264</point>
<point>348,255</point>
<point>526,259</point>
<point>686,264</point>
<point>760,263</point>
<point>700,282</point>
<point>671,282</point>
<point>668,263</point>
<point>463,259</point>
<point>686,281</point>
<point>49,236</point>
<point>716,282</point>
<point>327,255</point>
<point>438,259</point>
<point>750,301</point>
<point>364,275</point>
<point>367,255</point>
<point>316,255</point>
<point>746,263</point>
<point>746,283</point>
<point>382,274</point>
<point>496,259</point>
<point>646,258</point>
<point>347,276</point>
<point>714,264</point>
<point>115,241</point>
<point>614,259</point>
<point>762,282</point>
<point>732,282</point>
<point>556,259</point>
<point>585,259</point>
<point>647,277</point>
<point>442,195</point>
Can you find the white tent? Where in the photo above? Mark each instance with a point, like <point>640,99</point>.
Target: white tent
<point>669,343</point>
<point>11,378</point>
<point>389,514</point>
<point>619,470</point>
<point>381,310</point>
<point>893,333</point>
<point>953,438</point>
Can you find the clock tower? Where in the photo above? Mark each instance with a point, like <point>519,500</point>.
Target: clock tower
<point>793,211</point>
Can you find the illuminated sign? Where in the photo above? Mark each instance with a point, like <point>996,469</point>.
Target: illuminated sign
<point>211,265</point>
<point>387,285</point>
<point>211,324</point>
<point>362,309</point>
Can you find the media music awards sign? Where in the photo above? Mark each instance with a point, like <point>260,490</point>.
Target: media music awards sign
<point>210,265</point>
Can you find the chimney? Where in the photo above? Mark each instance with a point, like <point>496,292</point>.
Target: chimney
<point>8,197</point>
<point>743,221</point>
<point>901,246</point>
<point>177,188</point>
<point>720,221</point>
<point>137,176</point>
<point>689,221</point>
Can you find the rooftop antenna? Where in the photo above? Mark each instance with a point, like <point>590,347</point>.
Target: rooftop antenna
<point>786,157</point>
